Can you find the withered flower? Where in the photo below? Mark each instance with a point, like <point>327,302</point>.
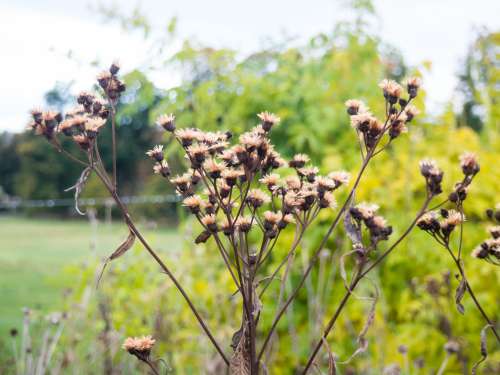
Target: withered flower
<point>213,168</point>
<point>257,198</point>
<point>210,222</point>
<point>355,106</point>
<point>469,163</point>
<point>194,203</point>
<point>244,224</point>
<point>270,180</point>
<point>167,122</point>
<point>162,168</point>
<point>391,89</point>
<point>156,153</point>
<point>298,161</point>
<point>268,120</point>
<point>340,177</point>
<point>412,85</point>
<point>139,346</point>
<point>308,172</point>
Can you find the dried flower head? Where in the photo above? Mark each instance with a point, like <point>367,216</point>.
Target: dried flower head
<point>244,224</point>
<point>167,122</point>
<point>156,153</point>
<point>93,125</point>
<point>355,106</point>
<point>308,172</point>
<point>298,161</point>
<point>412,85</point>
<point>194,203</point>
<point>257,198</point>
<point>268,120</point>
<point>210,222</point>
<point>139,346</point>
<point>270,180</point>
<point>469,163</point>
<point>411,111</point>
<point>187,136</point>
<point>340,177</point>
<point>391,89</point>
<point>214,168</point>
<point>162,168</point>
<point>363,211</point>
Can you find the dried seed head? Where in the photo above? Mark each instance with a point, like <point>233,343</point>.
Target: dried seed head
<point>156,153</point>
<point>411,111</point>
<point>214,168</point>
<point>325,184</point>
<point>187,136</point>
<point>429,222</point>
<point>494,231</point>
<point>210,222</point>
<point>363,121</point>
<point>93,125</point>
<point>82,141</point>
<point>268,120</point>
<point>194,203</point>
<point>391,89</point>
<point>231,175</point>
<point>412,85</point>
<point>114,68</point>
<point>139,346</point>
<point>257,198</point>
<point>355,106</point>
<point>182,182</point>
<point>452,347</point>
<point>308,172</point>
<point>270,180</point>
<point>251,141</point>
<point>162,168</point>
<point>298,161</point>
<point>244,224</point>
<point>328,201</point>
<point>340,177</point>
<point>363,211</point>
<point>469,163</point>
<point>167,122</point>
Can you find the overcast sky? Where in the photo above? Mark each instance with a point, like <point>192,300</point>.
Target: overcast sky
<point>35,36</point>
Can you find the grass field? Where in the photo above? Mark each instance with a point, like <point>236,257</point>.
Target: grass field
<point>35,252</point>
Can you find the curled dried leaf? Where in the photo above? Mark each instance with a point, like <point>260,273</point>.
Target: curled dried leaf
<point>78,187</point>
<point>484,349</point>
<point>240,363</point>
<point>459,294</point>
<point>122,249</point>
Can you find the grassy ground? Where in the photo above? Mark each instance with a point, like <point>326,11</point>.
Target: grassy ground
<point>35,252</point>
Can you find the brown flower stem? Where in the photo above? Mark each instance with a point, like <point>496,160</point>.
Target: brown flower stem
<point>471,292</point>
<point>163,266</point>
<point>360,275</point>
<point>113,140</point>
<point>314,258</point>
<point>312,262</point>
<point>148,362</point>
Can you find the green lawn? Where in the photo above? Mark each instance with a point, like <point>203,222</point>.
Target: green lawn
<point>35,252</point>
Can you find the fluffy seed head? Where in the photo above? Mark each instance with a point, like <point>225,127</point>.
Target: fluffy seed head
<point>167,122</point>
<point>469,163</point>
<point>268,120</point>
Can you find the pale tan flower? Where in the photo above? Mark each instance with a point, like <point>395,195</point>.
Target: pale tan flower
<point>167,122</point>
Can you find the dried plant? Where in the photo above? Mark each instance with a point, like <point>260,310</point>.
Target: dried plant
<point>237,196</point>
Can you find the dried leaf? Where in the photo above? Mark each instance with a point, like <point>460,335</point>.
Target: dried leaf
<point>332,370</point>
<point>362,341</point>
<point>352,230</point>
<point>122,249</point>
<point>124,246</point>
<point>459,294</point>
<point>239,363</point>
<point>343,272</point>
<point>484,349</point>
<point>78,187</point>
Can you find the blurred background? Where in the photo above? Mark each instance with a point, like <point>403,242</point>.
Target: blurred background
<point>215,65</point>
